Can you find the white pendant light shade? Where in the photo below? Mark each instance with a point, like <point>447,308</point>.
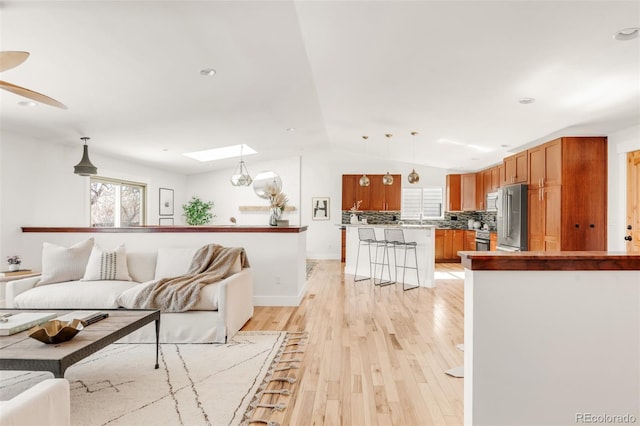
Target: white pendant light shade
<point>84,167</point>
<point>240,176</point>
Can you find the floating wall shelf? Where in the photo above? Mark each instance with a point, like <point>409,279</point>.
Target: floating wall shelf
<point>263,208</point>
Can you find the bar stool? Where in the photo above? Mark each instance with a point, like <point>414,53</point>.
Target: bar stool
<point>367,237</point>
<point>394,238</point>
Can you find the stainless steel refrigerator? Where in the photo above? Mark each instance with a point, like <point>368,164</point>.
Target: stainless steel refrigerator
<point>511,218</point>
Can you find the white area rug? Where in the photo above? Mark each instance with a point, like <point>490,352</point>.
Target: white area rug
<point>197,384</point>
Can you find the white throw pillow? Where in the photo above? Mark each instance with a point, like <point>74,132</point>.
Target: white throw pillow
<point>61,264</point>
<point>173,262</point>
<point>107,265</point>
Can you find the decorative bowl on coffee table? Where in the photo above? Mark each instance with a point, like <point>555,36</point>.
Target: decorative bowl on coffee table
<point>56,331</point>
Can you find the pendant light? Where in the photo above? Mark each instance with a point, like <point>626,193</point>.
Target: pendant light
<point>414,177</point>
<point>84,167</point>
<point>364,179</point>
<point>240,176</point>
<point>387,179</point>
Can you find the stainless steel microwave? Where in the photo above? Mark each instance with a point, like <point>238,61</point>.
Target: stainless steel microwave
<point>492,202</point>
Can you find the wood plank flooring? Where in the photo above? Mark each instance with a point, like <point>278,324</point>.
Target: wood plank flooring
<point>374,356</point>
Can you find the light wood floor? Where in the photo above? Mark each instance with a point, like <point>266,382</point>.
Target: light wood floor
<point>375,356</point>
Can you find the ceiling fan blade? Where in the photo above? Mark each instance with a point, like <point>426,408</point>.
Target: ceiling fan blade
<point>11,59</point>
<point>38,97</point>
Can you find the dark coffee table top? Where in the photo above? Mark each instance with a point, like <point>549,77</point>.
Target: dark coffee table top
<point>20,352</point>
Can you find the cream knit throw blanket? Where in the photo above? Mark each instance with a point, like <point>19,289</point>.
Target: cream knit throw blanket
<point>210,264</point>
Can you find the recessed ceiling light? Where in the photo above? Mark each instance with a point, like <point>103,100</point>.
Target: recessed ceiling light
<point>504,145</point>
<point>208,72</point>
<point>291,129</point>
<point>526,101</point>
<point>165,149</point>
<point>627,34</point>
<point>220,153</point>
<point>27,104</point>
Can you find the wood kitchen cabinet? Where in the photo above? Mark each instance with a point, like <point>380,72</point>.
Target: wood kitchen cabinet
<point>385,197</point>
<point>468,191</point>
<point>515,169</point>
<point>448,243</point>
<point>480,191</point>
<point>454,196</point>
<point>469,241</point>
<point>376,196</point>
<point>495,178</point>
<point>493,241</point>
<point>568,195</point>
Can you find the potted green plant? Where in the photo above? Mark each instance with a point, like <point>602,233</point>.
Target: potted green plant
<point>197,212</point>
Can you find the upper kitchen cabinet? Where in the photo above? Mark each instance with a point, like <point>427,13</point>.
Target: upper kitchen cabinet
<point>515,169</point>
<point>385,197</point>
<point>461,192</point>
<point>376,196</point>
<point>454,196</point>
<point>545,164</point>
<point>468,190</point>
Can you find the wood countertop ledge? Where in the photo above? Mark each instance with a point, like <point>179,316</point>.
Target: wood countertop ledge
<point>168,229</point>
<point>550,261</point>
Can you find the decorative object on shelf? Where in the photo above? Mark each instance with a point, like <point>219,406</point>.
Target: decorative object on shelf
<point>278,203</point>
<point>56,331</point>
<point>14,262</point>
<point>364,180</point>
<point>267,184</point>
<point>240,176</point>
<point>387,179</point>
<point>413,177</point>
<point>353,219</point>
<point>320,208</point>
<point>197,212</point>
<point>166,202</point>
<point>84,167</point>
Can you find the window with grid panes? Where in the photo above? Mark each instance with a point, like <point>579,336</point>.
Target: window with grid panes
<point>428,201</point>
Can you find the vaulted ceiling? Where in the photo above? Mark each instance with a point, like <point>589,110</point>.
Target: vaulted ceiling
<point>129,72</point>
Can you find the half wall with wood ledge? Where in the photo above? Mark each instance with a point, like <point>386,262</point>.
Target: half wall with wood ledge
<point>550,337</point>
<point>276,254</point>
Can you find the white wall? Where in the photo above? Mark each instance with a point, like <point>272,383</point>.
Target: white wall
<point>619,144</point>
<point>38,187</point>
<point>322,177</point>
<point>215,186</point>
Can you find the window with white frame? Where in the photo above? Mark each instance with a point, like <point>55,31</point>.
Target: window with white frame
<point>117,203</point>
<point>422,203</point>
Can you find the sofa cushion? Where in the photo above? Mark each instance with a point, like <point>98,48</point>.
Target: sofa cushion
<point>173,261</point>
<point>142,265</point>
<point>74,295</point>
<point>107,265</point>
<point>61,264</point>
<point>208,297</point>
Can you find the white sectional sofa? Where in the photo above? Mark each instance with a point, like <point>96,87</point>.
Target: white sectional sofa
<point>223,307</point>
<point>46,403</point>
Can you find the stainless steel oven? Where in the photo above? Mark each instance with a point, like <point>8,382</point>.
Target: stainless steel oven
<point>483,241</point>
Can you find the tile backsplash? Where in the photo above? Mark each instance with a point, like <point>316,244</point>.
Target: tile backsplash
<point>455,220</point>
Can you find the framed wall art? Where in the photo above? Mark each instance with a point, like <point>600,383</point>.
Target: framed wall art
<point>166,202</point>
<point>320,208</point>
<point>165,221</point>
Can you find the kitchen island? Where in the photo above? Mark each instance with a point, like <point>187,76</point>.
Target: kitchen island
<point>551,337</point>
<point>424,235</point>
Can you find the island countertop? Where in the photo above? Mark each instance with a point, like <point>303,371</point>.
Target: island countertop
<point>550,261</point>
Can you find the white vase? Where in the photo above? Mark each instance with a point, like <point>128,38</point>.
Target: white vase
<point>14,267</point>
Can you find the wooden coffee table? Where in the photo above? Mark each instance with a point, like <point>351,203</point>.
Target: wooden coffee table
<point>20,352</point>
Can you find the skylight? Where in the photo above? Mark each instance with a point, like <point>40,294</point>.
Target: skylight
<point>220,153</point>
